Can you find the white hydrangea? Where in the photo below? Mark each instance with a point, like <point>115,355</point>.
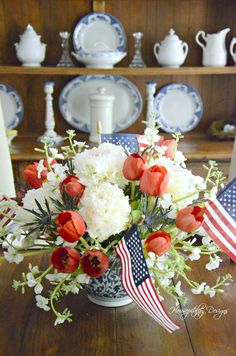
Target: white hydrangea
<point>47,191</point>
<point>101,164</point>
<point>105,209</point>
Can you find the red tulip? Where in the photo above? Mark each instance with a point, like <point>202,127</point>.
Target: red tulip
<point>154,181</point>
<point>171,147</point>
<point>30,174</point>
<point>190,218</point>
<point>65,259</point>
<point>71,225</point>
<point>158,242</point>
<point>72,187</point>
<point>94,263</point>
<point>134,167</point>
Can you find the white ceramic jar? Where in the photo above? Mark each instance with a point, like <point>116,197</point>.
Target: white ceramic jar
<point>30,50</point>
<point>171,52</point>
<point>101,109</point>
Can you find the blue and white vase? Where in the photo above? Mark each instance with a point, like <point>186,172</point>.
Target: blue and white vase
<point>107,290</point>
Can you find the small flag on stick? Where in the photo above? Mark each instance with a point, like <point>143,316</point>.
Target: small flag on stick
<point>220,219</point>
<point>137,281</point>
<point>128,141</point>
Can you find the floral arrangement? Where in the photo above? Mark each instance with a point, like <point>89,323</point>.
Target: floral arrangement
<point>77,205</point>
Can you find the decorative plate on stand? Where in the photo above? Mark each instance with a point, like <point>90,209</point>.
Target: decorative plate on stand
<point>99,31</point>
<point>12,106</point>
<point>179,107</point>
<point>74,100</point>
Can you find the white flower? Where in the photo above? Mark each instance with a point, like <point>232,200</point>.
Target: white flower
<point>206,240</point>
<point>101,164</point>
<point>57,174</point>
<point>165,201</point>
<point>151,135</point>
<point>38,288</point>
<point>178,289</point>
<point>40,194</point>
<point>60,319</point>
<point>213,263</point>
<point>105,210</point>
<point>199,183</point>
<point>54,153</point>
<point>180,158</point>
<point>199,289</point>
<point>209,291</point>
<point>195,254</point>
<point>12,256</point>
<point>83,278</point>
<point>40,168</point>
<point>55,277</point>
<point>42,302</point>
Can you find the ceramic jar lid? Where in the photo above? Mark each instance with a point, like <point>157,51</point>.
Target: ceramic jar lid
<point>101,96</point>
<point>171,37</point>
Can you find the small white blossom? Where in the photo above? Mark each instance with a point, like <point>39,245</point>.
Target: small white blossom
<point>12,256</point>
<point>60,319</point>
<point>38,288</point>
<point>152,135</point>
<point>180,158</point>
<point>55,277</point>
<point>209,291</point>
<point>54,153</point>
<point>42,302</point>
<point>195,255</point>
<point>199,289</point>
<point>206,240</point>
<point>57,175</point>
<point>40,167</point>
<point>211,195</point>
<point>213,263</point>
<point>165,201</point>
<point>83,278</point>
<point>59,241</point>
<point>178,289</point>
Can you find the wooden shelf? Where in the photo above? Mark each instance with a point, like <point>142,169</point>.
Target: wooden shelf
<point>152,71</point>
<point>195,146</point>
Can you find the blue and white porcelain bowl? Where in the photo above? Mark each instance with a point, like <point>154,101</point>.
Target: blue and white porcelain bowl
<point>105,59</point>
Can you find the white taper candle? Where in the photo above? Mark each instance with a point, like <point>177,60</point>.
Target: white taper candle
<point>7,186</point>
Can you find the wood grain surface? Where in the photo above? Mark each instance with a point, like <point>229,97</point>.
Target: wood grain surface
<point>26,330</point>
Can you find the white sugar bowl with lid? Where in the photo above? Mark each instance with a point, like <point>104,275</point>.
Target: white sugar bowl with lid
<point>172,51</point>
<point>101,110</point>
<point>30,50</point>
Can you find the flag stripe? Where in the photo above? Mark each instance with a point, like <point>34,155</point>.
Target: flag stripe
<point>218,238</point>
<point>222,229</point>
<point>224,217</point>
<point>128,275</point>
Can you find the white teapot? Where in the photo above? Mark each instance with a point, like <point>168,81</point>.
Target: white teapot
<point>214,51</point>
<point>30,51</point>
<point>172,51</point>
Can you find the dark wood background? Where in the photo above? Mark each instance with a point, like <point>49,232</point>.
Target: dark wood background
<point>153,17</point>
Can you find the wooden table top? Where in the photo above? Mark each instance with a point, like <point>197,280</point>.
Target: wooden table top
<point>196,146</point>
<point>27,330</point>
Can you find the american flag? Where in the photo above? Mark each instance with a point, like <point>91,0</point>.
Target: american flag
<point>137,281</point>
<point>128,141</point>
<point>220,219</point>
<point>6,214</point>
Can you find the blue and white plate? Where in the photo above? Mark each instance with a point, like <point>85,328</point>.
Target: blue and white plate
<point>99,32</point>
<point>74,100</point>
<point>12,106</point>
<point>179,107</point>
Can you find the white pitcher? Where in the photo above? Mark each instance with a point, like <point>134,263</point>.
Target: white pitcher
<point>214,50</point>
<point>231,49</point>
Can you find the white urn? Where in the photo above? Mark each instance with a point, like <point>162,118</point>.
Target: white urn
<point>171,52</point>
<point>30,50</point>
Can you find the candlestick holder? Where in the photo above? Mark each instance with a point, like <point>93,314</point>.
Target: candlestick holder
<point>150,111</point>
<point>65,60</point>
<point>50,133</point>
<point>137,60</point>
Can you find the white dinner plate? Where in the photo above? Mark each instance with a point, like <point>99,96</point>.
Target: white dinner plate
<point>12,106</point>
<point>179,107</point>
<point>74,100</point>
<point>99,31</point>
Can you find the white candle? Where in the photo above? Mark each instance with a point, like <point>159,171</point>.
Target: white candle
<point>232,168</point>
<point>7,186</point>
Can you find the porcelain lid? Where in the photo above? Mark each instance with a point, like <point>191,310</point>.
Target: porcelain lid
<point>29,33</point>
<point>171,37</point>
<point>101,95</point>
